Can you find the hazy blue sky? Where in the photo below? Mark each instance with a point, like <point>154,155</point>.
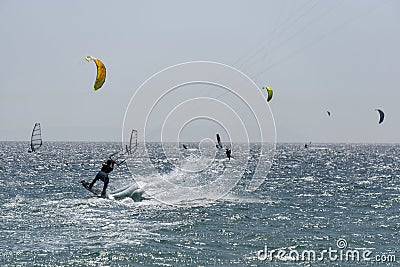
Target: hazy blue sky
<point>341,56</point>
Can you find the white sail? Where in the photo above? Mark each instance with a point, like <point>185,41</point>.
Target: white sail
<point>131,147</point>
<point>36,138</point>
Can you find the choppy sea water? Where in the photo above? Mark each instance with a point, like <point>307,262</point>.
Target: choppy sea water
<point>328,205</point>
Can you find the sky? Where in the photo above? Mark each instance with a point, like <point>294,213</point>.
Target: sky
<point>317,55</point>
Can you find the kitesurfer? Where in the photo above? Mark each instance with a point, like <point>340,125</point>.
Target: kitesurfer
<point>103,175</point>
<point>228,153</point>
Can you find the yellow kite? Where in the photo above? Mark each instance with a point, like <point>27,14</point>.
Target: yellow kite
<point>269,91</point>
<point>101,72</point>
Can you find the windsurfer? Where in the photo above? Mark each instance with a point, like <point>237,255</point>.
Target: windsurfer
<point>219,144</point>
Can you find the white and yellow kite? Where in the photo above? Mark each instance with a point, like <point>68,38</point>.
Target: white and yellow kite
<point>269,92</point>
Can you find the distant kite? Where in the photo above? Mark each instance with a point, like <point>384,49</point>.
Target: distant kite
<point>269,91</point>
<point>381,115</point>
<point>101,72</point>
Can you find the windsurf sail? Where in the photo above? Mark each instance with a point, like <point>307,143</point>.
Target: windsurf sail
<point>101,72</point>
<point>36,138</point>
<point>381,115</point>
<point>129,149</point>
<point>219,144</point>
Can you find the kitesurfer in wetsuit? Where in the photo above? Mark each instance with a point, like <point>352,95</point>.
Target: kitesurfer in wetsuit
<point>228,153</point>
<point>103,175</point>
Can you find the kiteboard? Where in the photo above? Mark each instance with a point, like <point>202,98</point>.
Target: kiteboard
<point>85,184</point>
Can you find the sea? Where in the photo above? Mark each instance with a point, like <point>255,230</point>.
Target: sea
<point>325,205</point>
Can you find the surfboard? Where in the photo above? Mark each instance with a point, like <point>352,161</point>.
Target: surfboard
<point>85,184</point>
